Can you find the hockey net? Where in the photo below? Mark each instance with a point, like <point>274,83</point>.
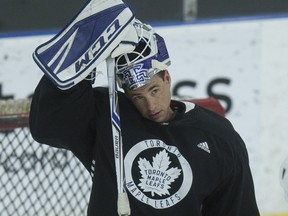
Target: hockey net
<point>37,179</point>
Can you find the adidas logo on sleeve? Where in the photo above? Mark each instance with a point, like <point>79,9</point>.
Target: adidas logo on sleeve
<point>204,146</point>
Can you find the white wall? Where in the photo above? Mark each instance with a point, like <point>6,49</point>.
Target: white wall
<point>250,59</point>
<point>253,55</point>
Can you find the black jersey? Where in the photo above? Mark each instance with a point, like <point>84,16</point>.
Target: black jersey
<point>194,165</point>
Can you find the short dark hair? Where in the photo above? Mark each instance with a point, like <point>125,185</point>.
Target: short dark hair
<point>161,74</point>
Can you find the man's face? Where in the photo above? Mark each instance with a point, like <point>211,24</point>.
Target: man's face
<point>153,99</point>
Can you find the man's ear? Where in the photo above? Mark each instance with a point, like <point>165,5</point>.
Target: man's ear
<point>167,77</point>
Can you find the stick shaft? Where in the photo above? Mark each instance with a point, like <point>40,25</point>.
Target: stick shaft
<point>123,203</point>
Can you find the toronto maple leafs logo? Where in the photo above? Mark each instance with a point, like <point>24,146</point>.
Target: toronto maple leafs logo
<point>136,75</point>
<point>157,174</point>
<point>157,178</point>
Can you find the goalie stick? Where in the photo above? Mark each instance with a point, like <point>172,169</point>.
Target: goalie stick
<point>123,202</point>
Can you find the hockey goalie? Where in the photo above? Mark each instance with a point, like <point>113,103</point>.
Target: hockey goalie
<point>148,154</point>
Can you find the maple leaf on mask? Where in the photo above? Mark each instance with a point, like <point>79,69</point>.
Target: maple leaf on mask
<point>157,178</point>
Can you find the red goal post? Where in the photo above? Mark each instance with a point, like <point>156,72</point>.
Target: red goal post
<point>14,113</point>
<point>209,103</point>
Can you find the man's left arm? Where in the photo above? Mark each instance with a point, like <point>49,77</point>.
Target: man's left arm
<point>236,195</point>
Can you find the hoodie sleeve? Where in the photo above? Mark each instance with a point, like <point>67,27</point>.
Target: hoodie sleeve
<point>64,119</point>
<point>235,196</point>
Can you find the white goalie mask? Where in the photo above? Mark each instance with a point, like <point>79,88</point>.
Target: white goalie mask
<point>150,56</point>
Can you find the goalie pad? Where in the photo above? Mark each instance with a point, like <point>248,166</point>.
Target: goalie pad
<point>85,42</point>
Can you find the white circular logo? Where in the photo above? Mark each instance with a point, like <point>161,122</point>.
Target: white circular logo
<point>157,174</point>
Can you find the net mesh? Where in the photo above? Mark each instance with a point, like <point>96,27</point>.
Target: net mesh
<point>36,179</point>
